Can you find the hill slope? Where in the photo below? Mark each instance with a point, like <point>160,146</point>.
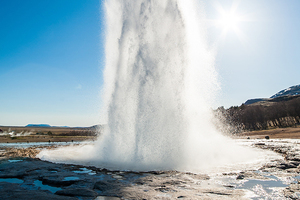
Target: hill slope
<point>291,91</point>
<point>283,95</point>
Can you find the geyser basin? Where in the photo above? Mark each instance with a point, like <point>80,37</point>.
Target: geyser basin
<point>159,84</point>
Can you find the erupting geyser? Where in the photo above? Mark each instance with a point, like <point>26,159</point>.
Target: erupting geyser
<point>159,83</point>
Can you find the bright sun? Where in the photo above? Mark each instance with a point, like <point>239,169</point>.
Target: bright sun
<point>229,20</point>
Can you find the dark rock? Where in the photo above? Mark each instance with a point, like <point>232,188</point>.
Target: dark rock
<point>174,182</point>
<point>295,163</point>
<point>270,165</point>
<point>139,182</point>
<point>56,181</point>
<point>229,186</point>
<point>165,189</point>
<point>14,174</point>
<point>12,191</point>
<point>240,177</point>
<point>230,174</point>
<point>293,158</point>
<point>286,166</point>
<point>109,198</point>
<point>282,151</point>
<point>31,194</point>
<point>199,176</point>
<point>267,137</point>
<point>82,192</point>
<point>104,186</point>
<point>218,193</point>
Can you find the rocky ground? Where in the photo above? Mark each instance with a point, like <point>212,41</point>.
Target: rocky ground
<point>23,176</point>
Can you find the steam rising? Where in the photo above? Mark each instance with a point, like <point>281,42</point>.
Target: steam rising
<point>160,82</point>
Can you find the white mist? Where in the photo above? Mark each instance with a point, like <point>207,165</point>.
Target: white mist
<point>160,82</point>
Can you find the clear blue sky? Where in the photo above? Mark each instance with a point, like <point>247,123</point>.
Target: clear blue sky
<point>267,58</point>
<point>52,57</point>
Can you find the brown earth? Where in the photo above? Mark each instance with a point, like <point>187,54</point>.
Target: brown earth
<point>278,133</point>
<point>7,139</point>
<point>62,134</point>
<point>46,134</point>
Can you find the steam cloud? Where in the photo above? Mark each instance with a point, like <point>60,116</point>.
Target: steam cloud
<point>160,81</point>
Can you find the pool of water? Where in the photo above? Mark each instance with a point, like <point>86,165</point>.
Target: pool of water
<point>13,161</point>
<point>264,189</point>
<point>39,184</point>
<point>265,184</point>
<point>71,178</point>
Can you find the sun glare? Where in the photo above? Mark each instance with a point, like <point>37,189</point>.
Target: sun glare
<point>229,20</point>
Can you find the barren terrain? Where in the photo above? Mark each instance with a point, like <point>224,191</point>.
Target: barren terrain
<point>15,134</point>
<point>278,133</point>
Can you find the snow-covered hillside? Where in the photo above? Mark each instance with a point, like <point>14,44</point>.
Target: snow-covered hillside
<point>291,91</point>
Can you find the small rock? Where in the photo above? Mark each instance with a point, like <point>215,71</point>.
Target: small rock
<point>240,177</point>
<point>293,158</point>
<point>218,193</point>
<point>174,182</point>
<point>229,186</point>
<point>56,182</point>
<point>260,144</point>
<point>165,189</point>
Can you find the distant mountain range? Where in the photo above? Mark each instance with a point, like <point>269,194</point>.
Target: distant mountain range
<point>37,125</point>
<point>44,125</point>
<point>49,126</point>
<point>286,94</point>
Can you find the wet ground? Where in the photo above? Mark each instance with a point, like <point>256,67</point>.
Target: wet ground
<point>30,178</point>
